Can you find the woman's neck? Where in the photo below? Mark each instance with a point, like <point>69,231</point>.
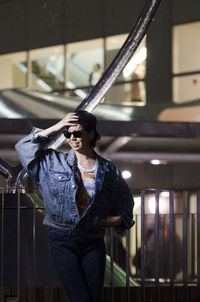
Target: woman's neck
<point>86,159</point>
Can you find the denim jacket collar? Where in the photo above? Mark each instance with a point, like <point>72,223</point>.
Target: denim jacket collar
<point>72,161</point>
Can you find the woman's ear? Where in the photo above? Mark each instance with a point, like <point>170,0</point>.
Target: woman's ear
<point>92,134</point>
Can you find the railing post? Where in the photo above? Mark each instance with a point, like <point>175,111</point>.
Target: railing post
<point>127,266</point>
<point>171,242</point>
<point>111,263</point>
<point>157,241</point>
<point>198,238</point>
<point>142,243</point>
<point>2,244</point>
<point>18,242</point>
<point>34,252</point>
<point>185,242</point>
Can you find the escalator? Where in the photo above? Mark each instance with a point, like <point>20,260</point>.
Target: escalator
<point>29,103</point>
<point>48,74</point>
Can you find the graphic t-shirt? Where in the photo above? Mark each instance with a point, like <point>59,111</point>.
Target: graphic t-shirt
<point>86,189</point>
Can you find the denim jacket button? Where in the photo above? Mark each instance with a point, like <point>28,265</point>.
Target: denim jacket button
<point>60,177</point>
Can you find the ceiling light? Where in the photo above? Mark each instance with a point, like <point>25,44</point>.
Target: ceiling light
<point>126,174</point>
<point>158,162</point>
<point>155,162</point>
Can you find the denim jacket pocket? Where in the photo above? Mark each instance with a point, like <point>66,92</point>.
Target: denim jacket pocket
<point>58,184</point>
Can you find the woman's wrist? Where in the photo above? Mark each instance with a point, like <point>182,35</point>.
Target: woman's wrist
<point>52,130</point>
<point>113,221</point>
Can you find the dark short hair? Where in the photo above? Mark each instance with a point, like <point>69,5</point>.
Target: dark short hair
<point>89,123</point>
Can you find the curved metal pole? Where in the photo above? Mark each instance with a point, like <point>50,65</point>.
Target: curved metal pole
<point>125,53</point>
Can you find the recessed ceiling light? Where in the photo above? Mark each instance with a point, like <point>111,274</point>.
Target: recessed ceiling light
<point>158,162</point>
<point>126,174</point>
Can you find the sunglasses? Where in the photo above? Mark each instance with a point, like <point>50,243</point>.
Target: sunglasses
<point>76,134</point>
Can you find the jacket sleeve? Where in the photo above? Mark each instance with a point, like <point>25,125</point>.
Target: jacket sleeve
<point>123,205</point>
<point>29,148</point>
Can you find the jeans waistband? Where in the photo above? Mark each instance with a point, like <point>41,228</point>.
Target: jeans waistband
<point>60,230</point>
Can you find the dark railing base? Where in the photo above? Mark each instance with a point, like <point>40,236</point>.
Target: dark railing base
<point>119,294</point>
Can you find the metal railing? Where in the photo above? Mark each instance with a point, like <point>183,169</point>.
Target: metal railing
<point>161,250</point>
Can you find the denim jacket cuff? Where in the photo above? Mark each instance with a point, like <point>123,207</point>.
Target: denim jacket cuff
<point>125,225</point>
<point>36,138</point>
<point>100,222</point>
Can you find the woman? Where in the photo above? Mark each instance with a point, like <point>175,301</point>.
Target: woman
<point>95,75</point>
<point>83,194</point>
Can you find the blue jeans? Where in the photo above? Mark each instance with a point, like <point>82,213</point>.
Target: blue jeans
<point>79,263</point>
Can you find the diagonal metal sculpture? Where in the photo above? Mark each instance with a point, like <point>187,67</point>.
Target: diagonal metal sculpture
<point>99,90</point>
<point>125,53</point>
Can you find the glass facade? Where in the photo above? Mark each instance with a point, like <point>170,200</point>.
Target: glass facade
<point>73,69</point>
<point>85,63</point>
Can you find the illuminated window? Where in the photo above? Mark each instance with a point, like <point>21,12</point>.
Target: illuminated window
<point>85,63</point>
<point>186,62</point>
<point>12,70</point>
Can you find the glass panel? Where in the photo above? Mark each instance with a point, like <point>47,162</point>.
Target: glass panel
<point>136,68</point>
<point>47,68</point>
<point>186,47</point>
<point>133,92</point>
<point>85,63</point>
<point>186,88</point>
<point>12,71</point>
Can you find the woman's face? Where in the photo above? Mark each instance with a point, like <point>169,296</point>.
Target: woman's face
<point>82,142</point>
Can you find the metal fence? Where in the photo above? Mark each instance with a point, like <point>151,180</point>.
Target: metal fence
<point>157,260</point>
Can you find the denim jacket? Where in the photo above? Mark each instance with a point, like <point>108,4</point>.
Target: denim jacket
<point>58,176</point>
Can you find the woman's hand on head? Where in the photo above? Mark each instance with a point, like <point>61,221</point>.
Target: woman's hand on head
<point>71,119</point>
